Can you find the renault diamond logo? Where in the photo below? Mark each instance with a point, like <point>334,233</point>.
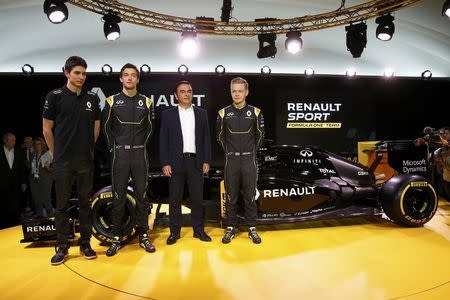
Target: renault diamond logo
<point>306,153</point>
<point>89,104</point>
<point>140,103</point>
<point>249,113</point>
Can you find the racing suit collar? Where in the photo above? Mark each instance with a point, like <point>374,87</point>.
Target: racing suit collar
<point>129,97</point>
<point>245,105</point>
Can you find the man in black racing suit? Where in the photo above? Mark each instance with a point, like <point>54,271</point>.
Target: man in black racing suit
<point>127,124</point>
<point>240,131</point>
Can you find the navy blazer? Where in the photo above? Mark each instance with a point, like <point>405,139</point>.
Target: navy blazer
<point>171,139</point>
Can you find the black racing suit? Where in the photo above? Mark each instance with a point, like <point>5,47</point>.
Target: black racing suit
<point>240,133</point>
<point>127,124</point>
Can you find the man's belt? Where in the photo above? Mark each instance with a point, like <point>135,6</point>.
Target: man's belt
<point>189,154</point>
<point>239,153</point>
<point>128,147</point>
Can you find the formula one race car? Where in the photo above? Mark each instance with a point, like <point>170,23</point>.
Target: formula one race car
<point>297,184</point>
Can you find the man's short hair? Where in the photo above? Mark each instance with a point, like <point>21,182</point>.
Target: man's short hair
<point>73,62</point>
<point>180,83</point>
<point>6,135</point>
<point>129,66</point>
<point>239,80</point>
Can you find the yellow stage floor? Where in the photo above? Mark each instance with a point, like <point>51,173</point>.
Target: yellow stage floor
<point>360,258</point>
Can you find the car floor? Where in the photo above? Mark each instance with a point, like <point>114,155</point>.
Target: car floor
<point>355,258</point>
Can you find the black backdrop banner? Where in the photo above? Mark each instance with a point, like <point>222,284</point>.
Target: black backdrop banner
<point>332,112</point>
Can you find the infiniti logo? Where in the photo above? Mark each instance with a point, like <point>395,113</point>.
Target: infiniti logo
<point>119,102</point>
<point>306,153</point>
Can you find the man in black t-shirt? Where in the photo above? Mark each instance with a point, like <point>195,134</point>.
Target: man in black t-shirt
<point>71,125</point>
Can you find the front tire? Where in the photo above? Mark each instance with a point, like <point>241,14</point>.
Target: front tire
<point>102,217</point>
<point>409,200</point>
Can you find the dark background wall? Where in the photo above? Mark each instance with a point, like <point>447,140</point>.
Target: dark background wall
<point>370,107</point>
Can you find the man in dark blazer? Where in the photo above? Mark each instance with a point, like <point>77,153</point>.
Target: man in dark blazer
<point>185,154</point>
<point>12,183</point>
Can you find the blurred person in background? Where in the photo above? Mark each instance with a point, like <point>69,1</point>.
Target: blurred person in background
<point>12,183</point>
<point>40,179</point>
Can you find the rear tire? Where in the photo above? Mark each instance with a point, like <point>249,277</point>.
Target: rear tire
<point>409,200</point>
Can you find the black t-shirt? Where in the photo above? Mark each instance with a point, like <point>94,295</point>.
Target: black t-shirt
<point>74,117</point>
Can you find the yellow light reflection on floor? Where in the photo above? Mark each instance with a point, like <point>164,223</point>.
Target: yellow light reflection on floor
<point>358,258</point>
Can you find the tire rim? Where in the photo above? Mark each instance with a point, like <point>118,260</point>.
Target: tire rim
<point>105,213</point>
<point>419,203</point>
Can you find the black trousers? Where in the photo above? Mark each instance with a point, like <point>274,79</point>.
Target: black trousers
<point>126,163</point>
<point>65,173</point>
<point>194,178</point>
<point>240,174</point>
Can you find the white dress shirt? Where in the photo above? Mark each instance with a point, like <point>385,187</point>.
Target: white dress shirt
<point>187,120</point>
<point>9,156</point>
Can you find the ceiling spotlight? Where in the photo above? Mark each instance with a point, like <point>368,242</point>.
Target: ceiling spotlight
<point>446,8</point>
<point>356,38</point>
<point>107,70</point>
<point>386,27</point>
<point>189,44</point>
<point>220,70</point>
<point>111,26</point>
<point>388,73</point>
<point>267,45</point>
<point>183,70</point>
<point>309,72</point>
<point>266,70</point>
<point>27,70</point>
<point>350,73</point>
<point>145,69</point>
<point>427,74</point>
<point>56,11</point>
<point>294,42</point>
<point>226,11</point>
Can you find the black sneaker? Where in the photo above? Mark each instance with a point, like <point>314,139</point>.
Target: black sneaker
<point>253,235</point>
<point>114,247</point>
<point>144,242</point>
<point>229,235</point>
<point>62,251</point>
<point>87,251</point>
